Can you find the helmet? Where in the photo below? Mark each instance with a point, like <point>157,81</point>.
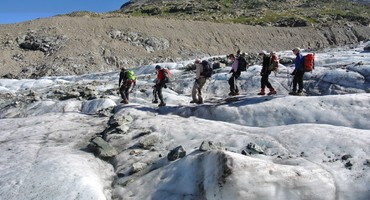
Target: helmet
<point>297,49</point>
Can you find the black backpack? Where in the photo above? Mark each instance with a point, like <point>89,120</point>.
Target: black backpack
<point>207,69</point>
<point>242,64</point>
<point>166,76</point>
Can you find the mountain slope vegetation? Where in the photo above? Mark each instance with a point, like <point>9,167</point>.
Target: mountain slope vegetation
<point>256,12</point>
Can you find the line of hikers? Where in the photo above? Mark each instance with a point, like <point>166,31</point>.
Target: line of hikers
<point>204,70</point>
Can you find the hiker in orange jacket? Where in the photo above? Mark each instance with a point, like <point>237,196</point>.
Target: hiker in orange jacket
<point>160,83</point>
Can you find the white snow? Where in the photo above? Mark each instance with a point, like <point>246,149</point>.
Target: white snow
<point>315,147</point>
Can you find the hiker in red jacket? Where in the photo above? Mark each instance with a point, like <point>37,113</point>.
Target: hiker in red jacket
<point>160,83</point>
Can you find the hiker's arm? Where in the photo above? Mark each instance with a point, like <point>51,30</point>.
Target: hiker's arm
<point>133,86</point>
<point>234,66</point>
<point>159,78</point>
<point>120,80</point>
<point>197,71</point>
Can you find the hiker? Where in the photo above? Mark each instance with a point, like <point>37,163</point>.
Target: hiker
<point>235,75</point>
<point>160,83</point>
<point>297,73</point>
<point>128,80</point>
<point>269,64</point>
<point>237,53</point>
<point>199,82</point>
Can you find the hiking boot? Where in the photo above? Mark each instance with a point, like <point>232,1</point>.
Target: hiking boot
<point>231,93</point>
<point>155,101</point>
<point>262,91</point>
<point>272,92</point>
<point>300,93</point>
<point>236,93</point>
<point>293,93</point>
<point>124,101</point>
<point>162,104</point>
<point>193,101</point>
<point>200,102</point>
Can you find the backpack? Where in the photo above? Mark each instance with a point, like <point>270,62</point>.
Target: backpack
<point>274,63</point>
<point>308,62</point>
<point>166,75</point>
<point>207,69</point>
<point>242,64</point>
<point>130,75</point>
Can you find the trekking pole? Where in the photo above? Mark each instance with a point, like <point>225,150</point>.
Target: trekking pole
<point>290,80</point>
<point>234,83</point>
<point>287,76</point>
<point>154,93</point>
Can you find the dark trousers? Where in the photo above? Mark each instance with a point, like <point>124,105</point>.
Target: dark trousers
<point>157,92</point>
<point>232,82</point>
<point>124,90</point>
<point>298,79</point>
<point>265,81</point>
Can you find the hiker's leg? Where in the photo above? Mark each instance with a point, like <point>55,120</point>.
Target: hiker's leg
<point>236,85</point>
<point>300,81</point>
<point>202,81</point>
<point>155,96</point>
<point>295,81</point>
<point>194,92</point>
<point>122,91</point>
<point>231,84</point>
<point>160,95</point>
<point>263,81</point>
<point>267,83</point>
<point>127,92</point>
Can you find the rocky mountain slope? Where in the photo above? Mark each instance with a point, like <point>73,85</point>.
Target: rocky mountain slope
<point>286,13</point>
<point>82,43</point>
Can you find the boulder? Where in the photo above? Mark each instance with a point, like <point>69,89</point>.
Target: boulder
<point>176,153</point>
<point>209,145</point>
<point>102,148</point>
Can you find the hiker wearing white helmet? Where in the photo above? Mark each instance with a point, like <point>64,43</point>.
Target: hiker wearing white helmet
<point>200,80</point>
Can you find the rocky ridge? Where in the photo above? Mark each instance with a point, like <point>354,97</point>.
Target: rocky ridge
<point>65,45</point>
<point>281,13</point>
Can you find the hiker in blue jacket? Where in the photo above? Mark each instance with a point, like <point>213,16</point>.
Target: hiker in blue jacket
<point>297,73</point>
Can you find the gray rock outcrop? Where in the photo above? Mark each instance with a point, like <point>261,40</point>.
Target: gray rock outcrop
<point>102,148</point>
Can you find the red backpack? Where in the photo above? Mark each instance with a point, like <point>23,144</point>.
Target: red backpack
<point>309,62</point>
